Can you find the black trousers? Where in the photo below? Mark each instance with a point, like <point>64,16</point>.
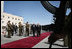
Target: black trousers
<point>15,31</point>
<point>38,33</point>
<point>33,32</point>
<point>20,32</point>
<point>27,31</point>
<point>12,32</point>
<point>9,33</point>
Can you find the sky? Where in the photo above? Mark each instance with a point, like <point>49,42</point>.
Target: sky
<point>31,11</point>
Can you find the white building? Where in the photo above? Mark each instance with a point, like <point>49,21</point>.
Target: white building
<point>5,17</point>
<point>10,17</point>
<point>2,7</point>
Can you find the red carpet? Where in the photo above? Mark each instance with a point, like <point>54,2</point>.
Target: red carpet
<point>26,42</point>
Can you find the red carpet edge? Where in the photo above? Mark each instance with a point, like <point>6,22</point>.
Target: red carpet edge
<point>26,42</point>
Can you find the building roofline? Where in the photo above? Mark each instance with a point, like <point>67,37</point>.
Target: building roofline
<point>12,14</point>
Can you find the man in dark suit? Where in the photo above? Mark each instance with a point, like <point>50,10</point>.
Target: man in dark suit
<point>13,26</point>
<point>16,28</point>
<point>38,28</point>
<point>33,27</point>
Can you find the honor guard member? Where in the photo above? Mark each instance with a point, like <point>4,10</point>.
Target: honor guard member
<point>9,29</point>
<point>27,29</point>
<point>20,29</point>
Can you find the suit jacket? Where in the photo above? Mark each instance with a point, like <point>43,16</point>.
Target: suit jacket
<point>33,27</point>
<point>38,28</point>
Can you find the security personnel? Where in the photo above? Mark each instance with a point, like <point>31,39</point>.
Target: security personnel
<point>13,30</point>
<point>20,29</point>
<point>27,29</point>
<point>33,27</point>
<point>9,29</point>
<point>38,28</point>
<point>16,28</point>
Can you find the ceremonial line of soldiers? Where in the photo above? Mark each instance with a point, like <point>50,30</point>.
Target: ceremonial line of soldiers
<point>11,29</point>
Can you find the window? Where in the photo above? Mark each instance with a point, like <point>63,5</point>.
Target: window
<point>21,19</point>
<point>18,19</point>
<point>3,16</point>
<point>2,21</point>
<point>8,17</point>
<point>15,18</point>
<point>12,18</point>
<point>3,27</point>
<point>15,23</point>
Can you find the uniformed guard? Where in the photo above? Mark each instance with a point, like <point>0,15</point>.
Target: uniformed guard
<point>27,29</point>
<point>20,29</point>
<point>9,29</point>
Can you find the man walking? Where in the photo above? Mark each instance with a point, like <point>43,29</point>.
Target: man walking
<point>38,28</point>
<point>33,27</point>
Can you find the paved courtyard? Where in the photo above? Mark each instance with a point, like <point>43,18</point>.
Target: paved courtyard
<point>41,44</point>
